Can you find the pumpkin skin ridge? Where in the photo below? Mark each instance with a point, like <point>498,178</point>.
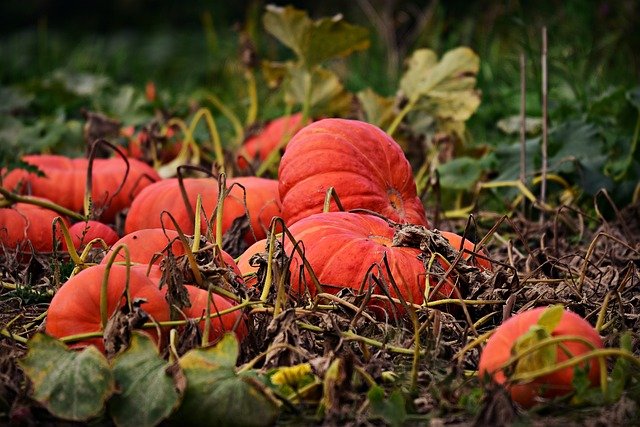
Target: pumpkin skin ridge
<point>317,137</point>
<point>352,268</point>
<point>384,140</point>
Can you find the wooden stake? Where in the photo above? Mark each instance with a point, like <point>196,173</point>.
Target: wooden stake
<point>543,182</point>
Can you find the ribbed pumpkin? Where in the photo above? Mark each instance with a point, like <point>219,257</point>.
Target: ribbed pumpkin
<point>25,226</point>
<point>498,350</point>
<point>75,308</point>
<point>148,243</point>
<point>365,166</point>
<point>341,247</point>
<point>232,321</point>
<point>65,178</point>
<point>262,203</point>
<point>275,133</point>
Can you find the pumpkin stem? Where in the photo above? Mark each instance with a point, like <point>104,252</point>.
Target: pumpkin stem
<point>230,115</point>
<point>13,198</point>
<point>182,158</point>
<point>274,155</point>
<point>193,263</point>
<point>87,202</point>
<point>331,194</point>
<point>73,254</point>
<point>252,112</point>
<point>104,316</point>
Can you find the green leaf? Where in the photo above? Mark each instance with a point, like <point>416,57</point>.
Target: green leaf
<point>314,41</point>
<point>215,392</point>
<point>460,173</point>
<point>288,24</point>
<point>71,385</point>
<point>332,38</point>
<point>148,393</point>
<point>391,410</point>
<point>550,318</point>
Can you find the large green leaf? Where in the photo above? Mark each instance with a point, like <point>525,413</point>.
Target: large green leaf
<point>148,392</point>
<point>71,385</point>
<point>215,394</point>
<point>314,41</point>
<point>460,173</point>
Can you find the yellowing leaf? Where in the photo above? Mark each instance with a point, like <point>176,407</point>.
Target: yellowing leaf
<point>543,357</point>
<point>445,89</point>
<point>378,110</point>
<point>328,95</point>
<point>71,385</point>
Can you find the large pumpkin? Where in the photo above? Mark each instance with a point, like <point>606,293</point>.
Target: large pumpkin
<point>261,197</point>
<point>498,351</point>
<point>75,308</point>
<point>70,175</point>
<point>24,227</point>
<point>341,247</point>
<point>365,166</point>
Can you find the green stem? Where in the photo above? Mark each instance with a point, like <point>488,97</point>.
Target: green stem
<point>398,119</point>
<point>252,113</point>
<point>230,115</point>
<point>104,316</point>
<point>306,106</point>
<point>43,203</point>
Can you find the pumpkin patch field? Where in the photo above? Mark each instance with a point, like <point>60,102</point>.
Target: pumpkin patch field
<point>375,213</point>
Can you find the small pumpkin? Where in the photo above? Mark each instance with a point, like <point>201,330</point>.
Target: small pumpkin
<point>470,249</point>
<point>84,232</point>
<point>366,167</point>
<point>500,348</point>
<point>75,308</point>
<point>275,134</point>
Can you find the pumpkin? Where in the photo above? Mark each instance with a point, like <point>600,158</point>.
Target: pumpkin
<point>261,195</point>
<point>71,174</point>
<point>275,134</point>
<point>470,248</point>
<point>365,166</point>
<point>75,308</point>
<point>247,270</point>
<point>85,231</point>
<point>145,245</point>
<point>341,247</point>
<point>229,322</point>
<point>499,349</point>
<point>24,226</point>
